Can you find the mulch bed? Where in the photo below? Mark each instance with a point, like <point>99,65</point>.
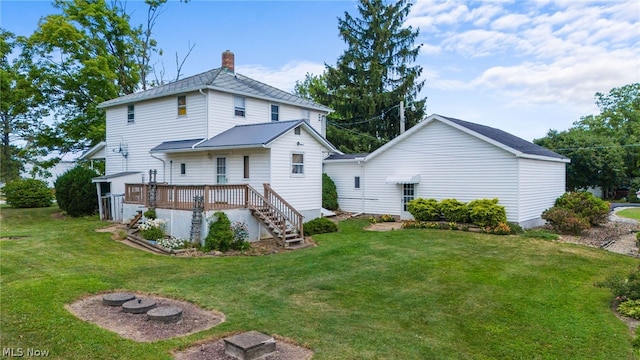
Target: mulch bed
<point>136,326</point>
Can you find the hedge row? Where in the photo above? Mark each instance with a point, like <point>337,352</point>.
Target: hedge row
<point>482,212</point>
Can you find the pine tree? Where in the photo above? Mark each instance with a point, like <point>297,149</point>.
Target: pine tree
<point>374,74</point>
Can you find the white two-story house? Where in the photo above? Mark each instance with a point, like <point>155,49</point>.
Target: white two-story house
<point>242,145</point>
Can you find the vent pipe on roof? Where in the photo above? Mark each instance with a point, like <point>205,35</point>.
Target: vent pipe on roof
<point>228,61</point>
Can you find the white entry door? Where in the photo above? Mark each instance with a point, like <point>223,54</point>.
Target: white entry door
<point>408,194</point>
<point>221,170</point>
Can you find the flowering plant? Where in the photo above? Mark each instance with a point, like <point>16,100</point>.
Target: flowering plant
<point>152,229</point>
<point>173,243</point>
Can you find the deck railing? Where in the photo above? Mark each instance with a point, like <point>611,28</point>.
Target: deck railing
<point>219,197</point>
<point>180,197</point>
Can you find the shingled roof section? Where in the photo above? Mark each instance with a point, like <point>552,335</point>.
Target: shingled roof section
<point>505,138</point>
<point>176,145</point>
<point>221,80</point>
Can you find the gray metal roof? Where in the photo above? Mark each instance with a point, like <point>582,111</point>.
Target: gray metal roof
<point>506,139</point>
<point>221,80</point>
<point>175,145</point>
<point>250,135</point>
<point>346,156</point>
<point>242,136</point>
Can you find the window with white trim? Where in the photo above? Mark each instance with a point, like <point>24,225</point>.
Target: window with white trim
<point>408,194</point>
<point>131,115</point>
<point>182,105</point>
<point>238,106</point>
<point>221,170</point>
<point>275,112</point>
<point>305,115</point>
<point>297,164</point>
<point>246,167</point>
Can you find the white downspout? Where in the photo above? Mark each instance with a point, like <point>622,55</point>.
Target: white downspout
<point>206,100</point>
<point>362,186</point>
<point>164,168</point>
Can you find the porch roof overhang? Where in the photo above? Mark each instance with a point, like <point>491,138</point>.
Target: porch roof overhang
<point>108,178</point>
<point>403,179</point>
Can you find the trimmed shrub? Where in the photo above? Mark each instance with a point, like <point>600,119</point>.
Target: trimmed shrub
<point>329,193</point>
<point>487,213</point>
<point>502,229</point>
<point>585,205</point>
<point>565,221</point>
<point>454,210</point>
<point>319,226</point>
<point>424,209</point>
<point>28,193</point>
<point>75,193</point>
<point>220,236</point>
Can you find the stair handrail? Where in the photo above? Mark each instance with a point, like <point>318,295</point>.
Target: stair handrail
<point>296,217</point>
<point>281,215</point>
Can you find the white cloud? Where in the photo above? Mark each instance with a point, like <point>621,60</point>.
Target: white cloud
<point>510,22</point>
<point>283,78</point>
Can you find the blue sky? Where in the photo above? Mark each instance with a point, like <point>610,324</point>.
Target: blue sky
<point>522,66</point>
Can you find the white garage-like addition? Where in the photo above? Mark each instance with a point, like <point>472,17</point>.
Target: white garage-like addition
<point>442,158</point>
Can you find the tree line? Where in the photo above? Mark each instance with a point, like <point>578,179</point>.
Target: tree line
<point>91,52</point>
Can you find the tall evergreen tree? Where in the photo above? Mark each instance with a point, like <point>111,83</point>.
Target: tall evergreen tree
<point>374,74</point>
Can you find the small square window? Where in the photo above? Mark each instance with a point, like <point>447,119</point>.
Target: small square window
<point>131,115</point>
<point>275,110</point>
<point>238,105</point>
<point>356,182</point>
<point>297,164</point>
<point>183,169</point>
<point>182,105</point>
<point>297,130</point>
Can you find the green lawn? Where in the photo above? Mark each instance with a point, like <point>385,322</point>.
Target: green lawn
<point>632,213</point>
<point>407,294</point>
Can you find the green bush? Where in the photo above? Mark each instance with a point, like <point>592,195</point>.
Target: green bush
<point>454,210</point>
<point>424,209</point>
<point>624,288</point>
<point>585,205</point>
<point>28,193</point>
<point>630,308</point>
<point>565,221</point>
<point>150,214</point>
<point>387,218</point>
<point>515,228</point>
<point>220,236</point>
<point>487,212</point>
<point>329,193</point>
<point>75,193</point>
<point>319,226</point>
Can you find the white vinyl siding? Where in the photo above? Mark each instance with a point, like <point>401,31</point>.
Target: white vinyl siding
<point>304,193</point>
<point>157,120</point>
<point>541,183</point>
<point>451,164</point>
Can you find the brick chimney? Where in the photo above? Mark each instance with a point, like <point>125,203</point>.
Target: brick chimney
<point>228,61</point>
